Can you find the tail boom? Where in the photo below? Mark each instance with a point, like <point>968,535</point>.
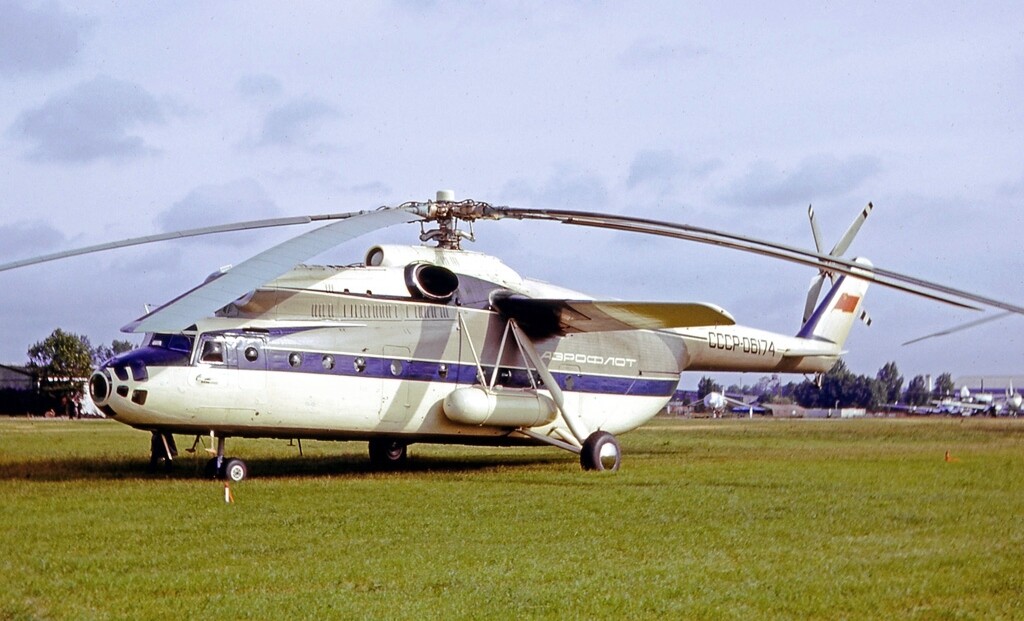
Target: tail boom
<point>814,349</point>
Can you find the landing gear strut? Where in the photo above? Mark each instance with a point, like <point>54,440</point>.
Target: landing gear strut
<point>162,450</point>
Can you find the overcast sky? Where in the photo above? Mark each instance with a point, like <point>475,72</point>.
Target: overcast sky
<point>125,119</point>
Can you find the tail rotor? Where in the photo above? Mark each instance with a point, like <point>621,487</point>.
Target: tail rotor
<point>814,290</point>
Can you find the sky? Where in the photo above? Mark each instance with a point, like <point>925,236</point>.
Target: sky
<point>127,119</point>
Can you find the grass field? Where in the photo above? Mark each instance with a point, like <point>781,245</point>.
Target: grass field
<point>730,519</point>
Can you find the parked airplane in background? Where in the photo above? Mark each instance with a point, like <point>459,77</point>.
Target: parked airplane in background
<point>437,344</point>
<point>1009,404</point>
<point>718,403</point>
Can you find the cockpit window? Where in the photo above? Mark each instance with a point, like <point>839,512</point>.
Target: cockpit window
<point>213,351</point>
<point>173,342</point>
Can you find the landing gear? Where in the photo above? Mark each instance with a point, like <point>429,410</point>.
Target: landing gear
<point>385,453</point>
<point>226,468</point>
<point>162,450</point>
<point>234,470</point>
<point>600,452</point>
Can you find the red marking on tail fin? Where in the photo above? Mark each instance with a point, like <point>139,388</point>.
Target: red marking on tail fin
<point>847,303</point>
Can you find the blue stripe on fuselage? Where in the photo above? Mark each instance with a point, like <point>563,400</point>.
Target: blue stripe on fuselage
<point>431,371</point>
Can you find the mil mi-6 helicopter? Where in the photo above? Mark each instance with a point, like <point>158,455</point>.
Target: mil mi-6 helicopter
<point>443,345</point>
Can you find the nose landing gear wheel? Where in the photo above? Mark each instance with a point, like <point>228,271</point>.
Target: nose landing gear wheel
<point>232,469</point>
<point>600,452</point>
<point>388,453</point>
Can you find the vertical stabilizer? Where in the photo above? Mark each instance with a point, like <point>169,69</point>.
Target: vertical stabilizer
<point>832,319</point>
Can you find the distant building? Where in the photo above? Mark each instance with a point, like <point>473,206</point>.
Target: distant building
<point>16,378</point>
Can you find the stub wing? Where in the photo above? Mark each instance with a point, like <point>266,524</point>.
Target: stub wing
<point>542,318</point>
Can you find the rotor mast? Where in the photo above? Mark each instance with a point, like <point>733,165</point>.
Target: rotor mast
<point>447,212</point>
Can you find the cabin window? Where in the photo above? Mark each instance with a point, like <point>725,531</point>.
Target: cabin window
<point>570,382</point>
<point>442,371</point>
<point>396,367</point>
<point>328,362</point>
<point>294,359</point>
<point>359,364</point>
<point>252,354</point>
<point>213,352</point>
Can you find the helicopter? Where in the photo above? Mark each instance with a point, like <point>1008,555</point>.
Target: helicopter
<point>437,344</point>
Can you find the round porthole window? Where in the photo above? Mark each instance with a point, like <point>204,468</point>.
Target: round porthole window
<point>252,354</point>
<point>294,359</point>
<point>570,382</point>
<point>328,362</point>
<point>442,371</point>
<point>359,364</point>
<point>396,367</point>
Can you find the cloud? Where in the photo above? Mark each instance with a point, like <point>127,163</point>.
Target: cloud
<point>661,168</point>
<point>1012,189</point>
<point>765,185</point>
<point>645,52</point>
<point>91,121</point>
<point>24,239</point>
<point>38,40</point>
<point>218,204</point>
<point>295,124</point>
<point>259,86</point>
<point>564,189</point>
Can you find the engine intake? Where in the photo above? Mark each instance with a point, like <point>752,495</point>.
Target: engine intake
<point>431,282</point>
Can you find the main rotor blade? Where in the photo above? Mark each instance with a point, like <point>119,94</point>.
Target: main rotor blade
<point>960,327</point>
<point>184,310</point>
<point>880,276</point>
<point>148,239</point>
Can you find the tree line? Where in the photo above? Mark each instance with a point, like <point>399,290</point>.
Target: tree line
<point>60,364</point>
<point>842,388</point>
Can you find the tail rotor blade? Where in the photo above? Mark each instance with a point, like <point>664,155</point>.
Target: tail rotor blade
<point>815,231</point>
<point>844,242</point>
<point>812,295</point>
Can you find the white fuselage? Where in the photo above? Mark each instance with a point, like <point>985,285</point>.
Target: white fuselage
<point>350,353</point>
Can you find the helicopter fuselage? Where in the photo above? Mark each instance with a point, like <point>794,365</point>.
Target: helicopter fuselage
<point>383,350</point>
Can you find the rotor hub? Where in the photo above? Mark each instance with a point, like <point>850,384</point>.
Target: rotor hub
<point>447,213</point>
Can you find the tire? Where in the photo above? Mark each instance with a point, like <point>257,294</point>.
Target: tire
<point>235,470</point>
<point>388,453</point>
<point>601,452</point>
<point>210,470</point>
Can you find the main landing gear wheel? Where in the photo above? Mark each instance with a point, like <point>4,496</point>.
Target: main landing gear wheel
<point>388,453</point>
<point>600,452</point>
<point>232,469</point>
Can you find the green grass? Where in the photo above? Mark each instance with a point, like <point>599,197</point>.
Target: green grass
<point>706,520</point>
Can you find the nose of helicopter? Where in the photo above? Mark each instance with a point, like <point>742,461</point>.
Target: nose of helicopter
<point>118,379</point>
